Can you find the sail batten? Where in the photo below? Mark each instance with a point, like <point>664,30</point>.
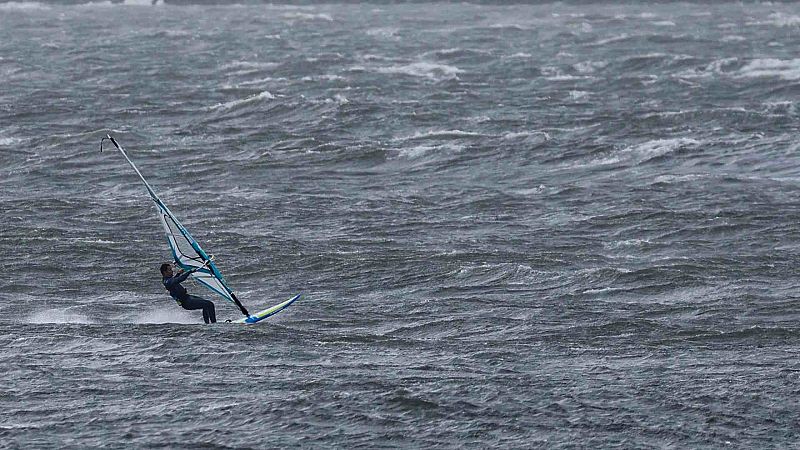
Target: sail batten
<point>186,251</point>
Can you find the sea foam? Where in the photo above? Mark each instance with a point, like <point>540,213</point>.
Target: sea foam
<point>787,69</point>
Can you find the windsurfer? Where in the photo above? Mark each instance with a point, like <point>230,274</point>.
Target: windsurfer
<point>173,284</point>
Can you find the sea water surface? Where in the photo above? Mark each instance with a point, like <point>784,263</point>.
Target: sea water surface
<point>554,225</point>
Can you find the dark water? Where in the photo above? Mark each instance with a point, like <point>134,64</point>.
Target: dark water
<point>515,226</point>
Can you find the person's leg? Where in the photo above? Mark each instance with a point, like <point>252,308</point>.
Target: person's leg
<point>194,302</point>
<point>212,312</point>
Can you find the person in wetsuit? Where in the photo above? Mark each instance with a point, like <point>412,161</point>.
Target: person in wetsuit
<point>173,284</point>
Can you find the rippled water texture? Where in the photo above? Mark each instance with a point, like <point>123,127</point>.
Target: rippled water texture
<point>516,226</point>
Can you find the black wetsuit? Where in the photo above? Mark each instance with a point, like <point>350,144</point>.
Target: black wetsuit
<point>178,292</point>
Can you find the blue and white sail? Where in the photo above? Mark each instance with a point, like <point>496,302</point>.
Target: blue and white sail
<point>186,252</point>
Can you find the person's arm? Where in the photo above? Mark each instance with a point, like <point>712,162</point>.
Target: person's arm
<point>179,278</point>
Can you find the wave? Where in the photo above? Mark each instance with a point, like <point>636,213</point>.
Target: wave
<point>611,40</point>
<point>526,136</point>
<point>711,69</point>
<point>456,53</point>
<point>757,333</point>
<point>733,38</point>
<point>420,151</point>
<point>640,153</point>
<point>8,141</point>
<point>423,69</point>
<point>779,19</point>
<point>307,16</point>
<point>386,32</point>
<point>787,69</point>
<point>324,77</point>
<point>675,179</point>
<point>487,274</point>
<point>508,26</point>
<point>248,65</point>
<point>585,67</point>
<point>23,6</point>
<point>264,95</point>
<point>442,134</point>
<point>659,147</point>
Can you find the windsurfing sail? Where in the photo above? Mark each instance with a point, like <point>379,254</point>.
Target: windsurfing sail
<point>186,252</point>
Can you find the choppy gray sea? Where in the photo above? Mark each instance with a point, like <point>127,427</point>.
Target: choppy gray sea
<point>549,226</point>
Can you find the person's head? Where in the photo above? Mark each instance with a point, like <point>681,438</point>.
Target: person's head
<point>166,269</point>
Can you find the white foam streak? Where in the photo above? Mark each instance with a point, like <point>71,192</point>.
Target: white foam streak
<point>238,65</point>
<point>659,147</point>
<point>787,69</point>
<point>265,95</point>
<point>438,134</point>
<point>5,141</point>
<point>423,69</point>
<point>307,16</point>
<point>419,151</point>
<point>23,6</point>
<point>526,136</point>
<point>783,20</point>
<point>641,153</point>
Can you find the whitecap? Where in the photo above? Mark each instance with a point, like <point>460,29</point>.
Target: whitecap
<point>383,32</point>
<point>554,73</point>
<point>508,273</point>
<point>578,95</point>
<point>416,151</point>
<point>640,153</point>
<point>423,69</point>
<point>671,178</point>
<point>235,65</point>
<point>626,243</point>
<point>787,69</point>
<point>589,66</point>
<point>620,37</point>
<point>265,95</point>
<point>717,66</point>
<point>507,26</point>
<point>307,16</point>
<point>733,38</point>
<point>783,20</point>
<point>442,134</point>
<point>7,141</point>
<point>22,6</point>
<point>419,151</point>
<point>658,147</point>
<point>526,135</point>
<point>530,192</point>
